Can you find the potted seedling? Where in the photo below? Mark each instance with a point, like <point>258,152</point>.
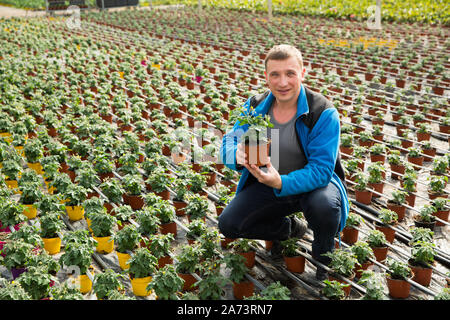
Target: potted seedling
<point>421,261</point>
<point>255,139</point>
<point>362,194</point>
<point>166,283</point>
<point>75,195</point>
<point>33,150</point>
<point>133,186</point>
<point>415,157</point>
<point>426,217</point>
<point>160,247</point>
<point>395,203</point>
<point>374,285</point>
<point>376,178</point>
<point>178,200</point>
<point>11,215</point>
<point>125,240</point>
<point>363,253</point>
<point>397,278</point>
<point>166,214</point>
<point>212,283</point>
<point>295,262</point>
<point>377,241</point>
<point>142,267</point>
<point>388,219</point>
<point>346,146</point>
<point>396,164</point>
<point>342,263</point>
<point>350,232</point>
<point>51,225</point>
<point>36,282</point>
<point>196,228</point>
<point>123,213</point>
<point>102,225</point>
<point>159,182</point>
<point>112,189</point>
<point>105,282</point>
<point>31,194</point>
<point>79,254</point>
<point>334,290</point>
<point>436,186</point>
<point>17,255</point>
<point>246,248</point>
<point>187,264</point>
<point>197,207</point>
<point>148,225</point>
<point>242,287</point>
<point>442,209</point>
<point>440,166</point>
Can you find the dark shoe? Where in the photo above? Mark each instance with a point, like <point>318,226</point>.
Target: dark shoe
<point>321,274</point>
<point>276,250</point>
<point>298,228</point>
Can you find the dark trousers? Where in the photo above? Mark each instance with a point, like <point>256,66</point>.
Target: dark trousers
<point>256,213</point>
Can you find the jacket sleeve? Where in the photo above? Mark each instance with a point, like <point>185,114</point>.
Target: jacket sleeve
<point>229,144</point>
<point>321,150</point>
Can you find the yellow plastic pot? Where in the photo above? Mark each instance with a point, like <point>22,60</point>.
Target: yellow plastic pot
<point>75,213</point>
<point>104,244</point>
<point>123,259</point>
<point>85,283</point>
<point>30,211</point>
<point>139,286</point>
<point>12,184</point>
<point>37,167</point>
<point>89,221</point>
<point>52,245</point>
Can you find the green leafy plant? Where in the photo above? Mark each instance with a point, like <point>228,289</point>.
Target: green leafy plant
<point>362,251</point>
<point>211,286</point>
<point>166,283</point>
<point>376,239</point>
<point>387,216</point>
<point>112,189</point>
<point>197,206</point>
<point>142,263</point>
<point>105,282</point>
<point>51,225</point>
<point>374,285</point>
<point>126,239</point>
<point>354,220</point>
<point>102,224</point>
<point>334,290</point>
<point>36,282</point>
<point>398,270</point>
<point>187,258</point>
<point>426,213</point>
<point>133,184</point>
<point>12,290</point>
<point>17,254</point>
<point>342,261</point>
<point>236,263</point>
<point>423,253</point>
<point>274,291</point>
<point>160,245</point>
<point>77,254</point>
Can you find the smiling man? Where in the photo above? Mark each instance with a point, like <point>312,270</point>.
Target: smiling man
<point>308,176</point>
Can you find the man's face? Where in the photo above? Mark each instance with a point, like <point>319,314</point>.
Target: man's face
<point>284,78</point>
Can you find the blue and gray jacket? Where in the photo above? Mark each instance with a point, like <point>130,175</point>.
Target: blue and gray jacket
<point>318,130</point>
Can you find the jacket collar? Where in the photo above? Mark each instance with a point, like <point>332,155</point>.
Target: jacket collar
<point>302,103</point>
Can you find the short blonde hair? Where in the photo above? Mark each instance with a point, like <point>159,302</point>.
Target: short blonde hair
<point>283,52</point>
